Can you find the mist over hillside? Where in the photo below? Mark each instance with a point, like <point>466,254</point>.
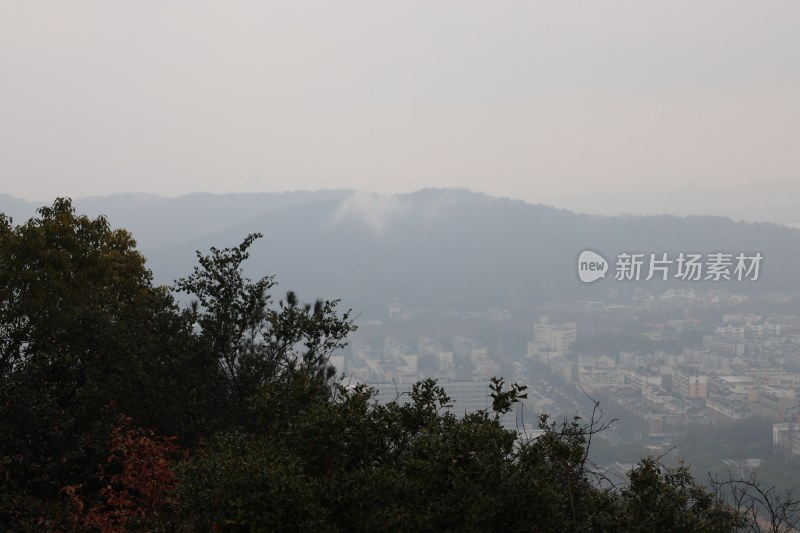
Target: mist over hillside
<point>435,248</point>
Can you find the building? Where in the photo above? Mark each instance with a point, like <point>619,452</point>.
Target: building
<point>643,379</point>
<point>727,410</point>
<point>786,439</point>
<point>555,338</point>
<point>689,383</point>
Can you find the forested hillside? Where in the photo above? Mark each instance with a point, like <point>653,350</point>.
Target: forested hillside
<point>121,410</point>
<point>474,251</point>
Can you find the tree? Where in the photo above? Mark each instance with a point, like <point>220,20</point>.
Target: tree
<point>81,325</point>
<point>136,485</point>
<point>260,345</point>
<point>760,508</point>
<point>668,499</point>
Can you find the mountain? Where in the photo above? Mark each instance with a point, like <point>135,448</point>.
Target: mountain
<point>158,222</point>
<point>18,209</point>
<point>444,249</point>
<point>764,201</point>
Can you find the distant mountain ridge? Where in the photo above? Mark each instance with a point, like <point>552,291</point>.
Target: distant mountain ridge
<point>775,201</point>
<point>438,248</point>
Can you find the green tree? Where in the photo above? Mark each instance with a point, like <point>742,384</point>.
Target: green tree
<point>82,326</point>
<point>261,345</point>
<point>668,499</point>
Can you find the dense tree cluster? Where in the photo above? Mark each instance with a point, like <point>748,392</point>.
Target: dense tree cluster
<point>121,410</point>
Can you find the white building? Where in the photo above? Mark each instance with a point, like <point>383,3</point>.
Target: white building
<point>555,338</point>
<point>786,439</point>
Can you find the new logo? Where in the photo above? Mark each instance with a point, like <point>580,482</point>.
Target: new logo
<point>591,266</point>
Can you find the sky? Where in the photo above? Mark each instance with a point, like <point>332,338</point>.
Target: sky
<point>531,100</point>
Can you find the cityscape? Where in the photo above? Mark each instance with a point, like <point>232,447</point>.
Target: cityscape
<point>698,363</point>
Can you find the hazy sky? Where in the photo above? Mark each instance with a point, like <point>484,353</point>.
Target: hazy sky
<point>524,99</point>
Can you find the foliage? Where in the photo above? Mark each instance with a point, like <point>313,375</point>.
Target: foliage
<point>668,499</point>
<point>81,325</point>
<point>350,464</point>
<point>354,465</point>
<point>258,343</point>
<point>137,484</point>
